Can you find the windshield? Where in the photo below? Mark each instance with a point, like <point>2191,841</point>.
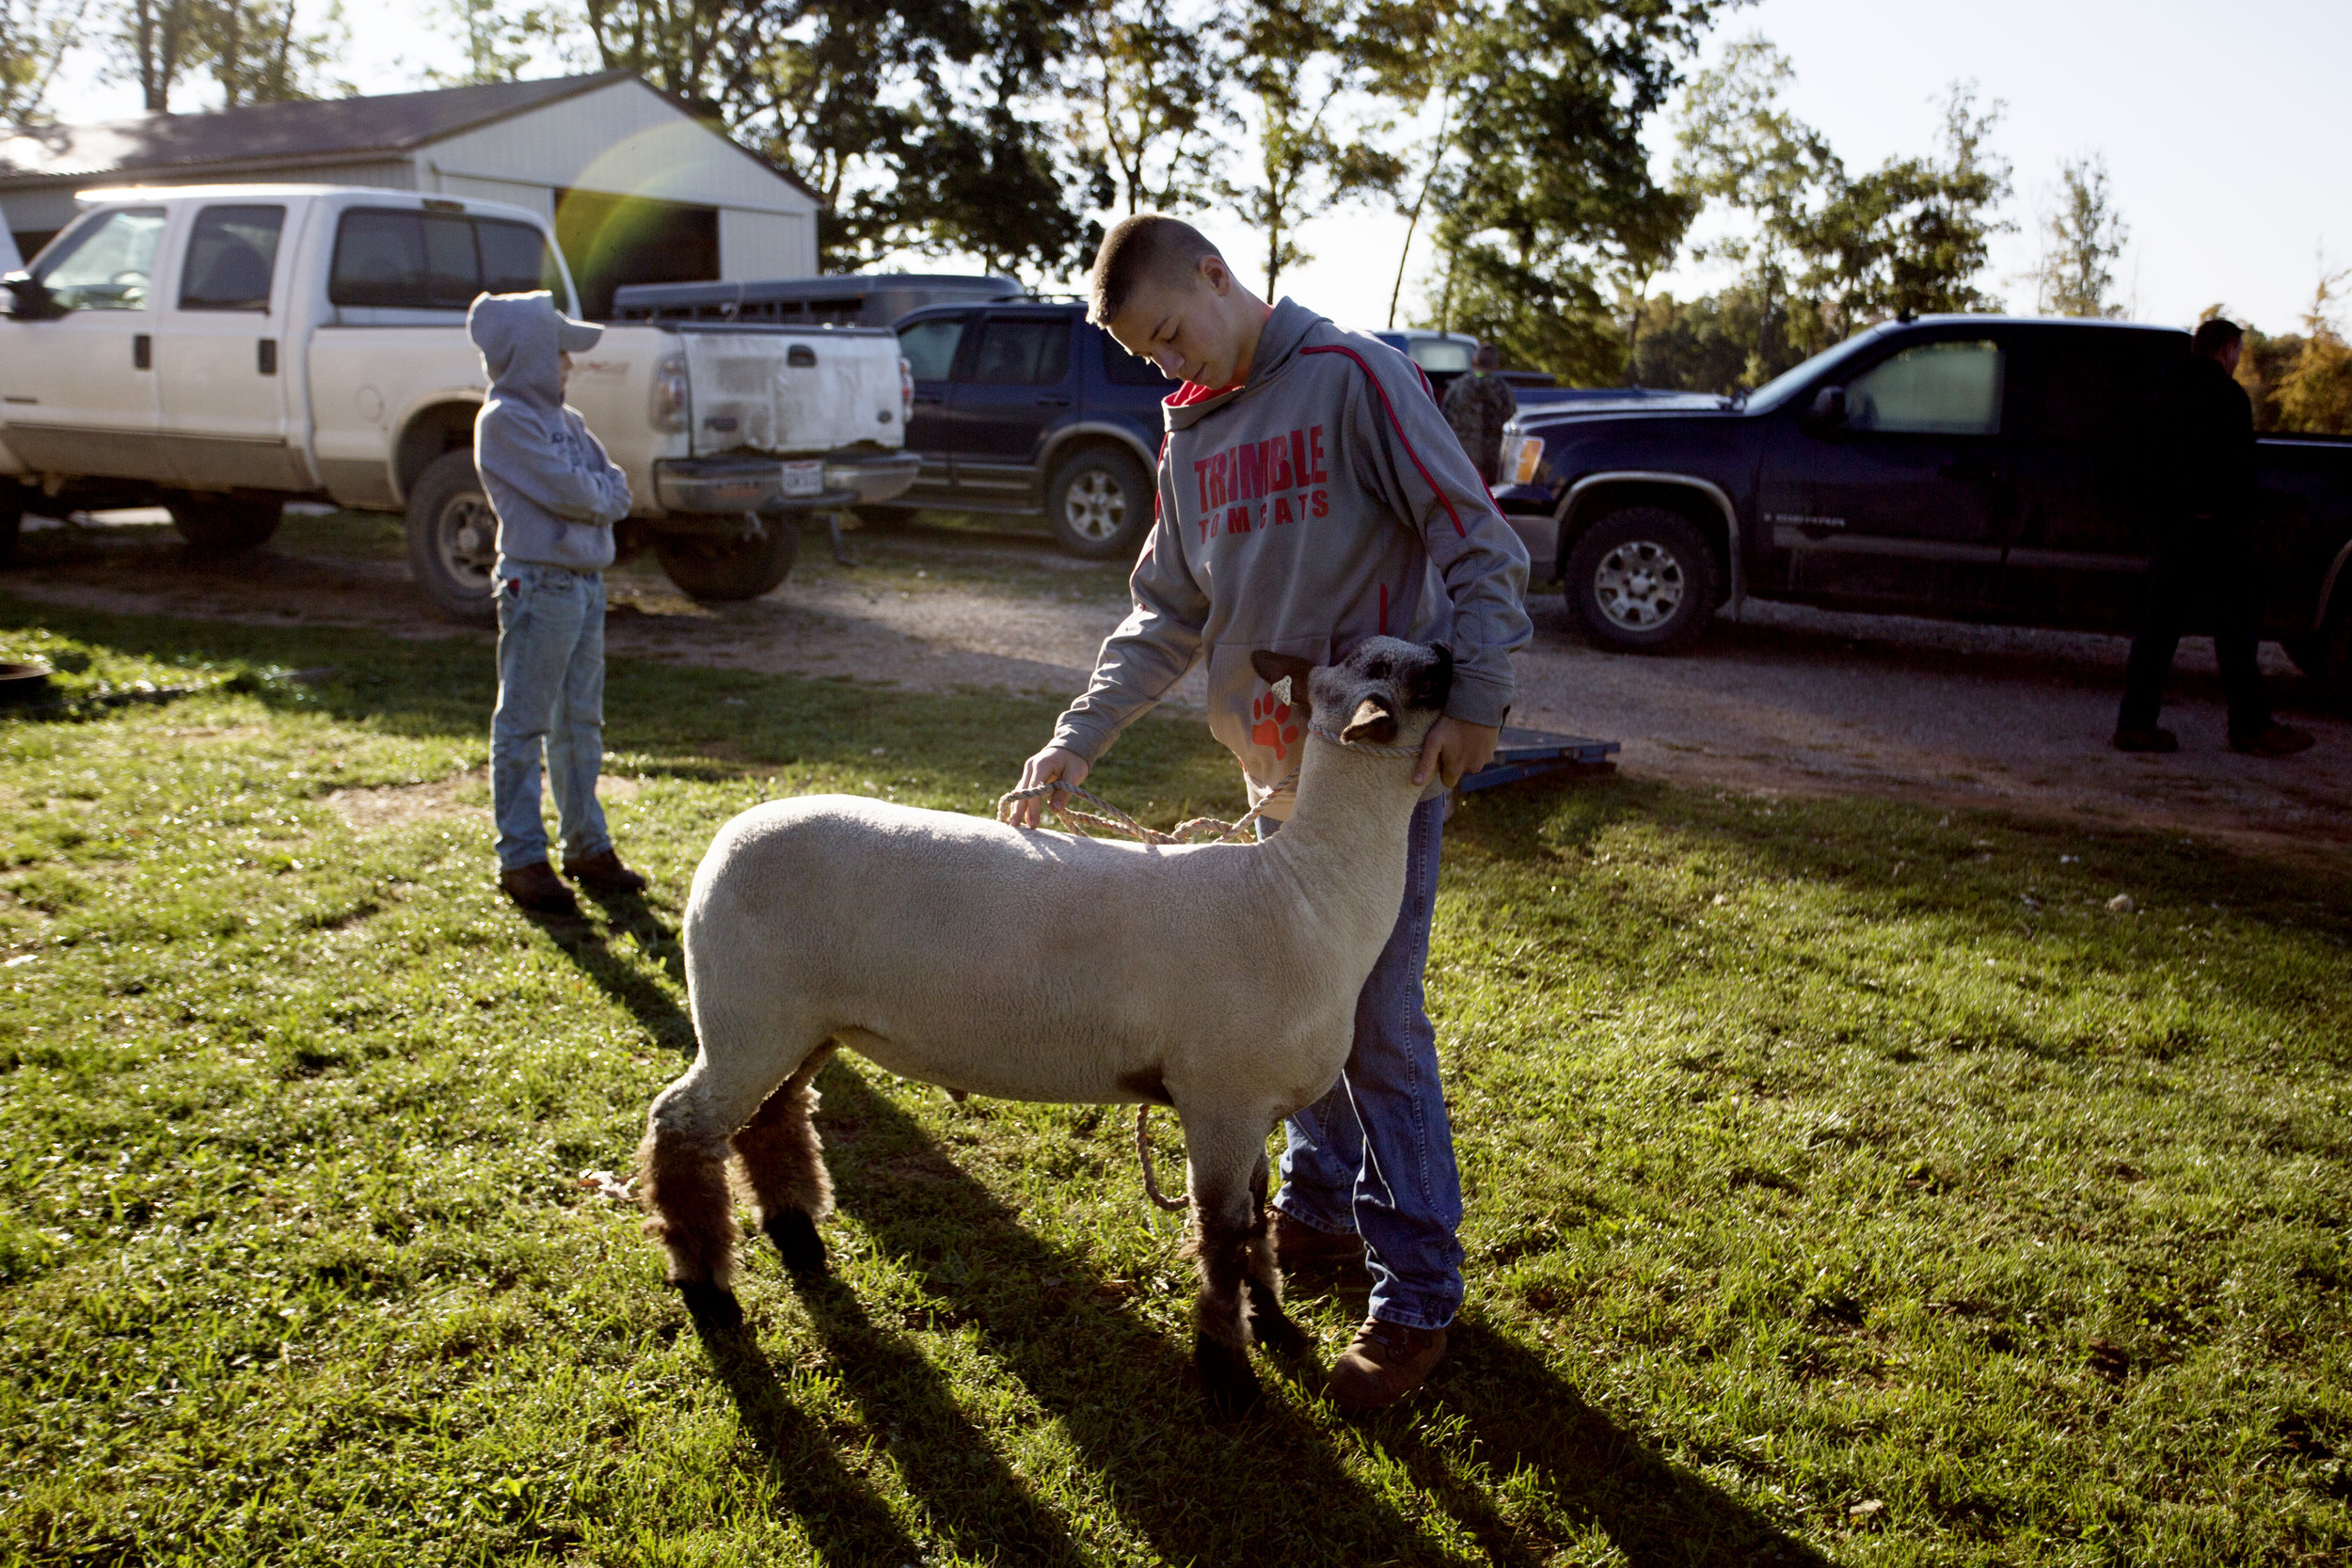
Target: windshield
<point>1785,385</point>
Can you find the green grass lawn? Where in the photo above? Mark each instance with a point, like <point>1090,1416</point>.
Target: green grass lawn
<point>1846,1180</point>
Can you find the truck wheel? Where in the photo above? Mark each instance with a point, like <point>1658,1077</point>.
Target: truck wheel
<point>2326,655</point>
<point>226,525</point>
<point>1100,504</point>
<point>1642,580</point>
<point>723,571</point>
<point>453,540</point>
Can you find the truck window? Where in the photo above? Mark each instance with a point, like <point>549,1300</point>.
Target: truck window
<point>404,258</point>
<point>1440,355</point>
<point>108,266</point>
<point>2094,387</point>
<point>232,253</point>
<point>929,347</point>
<point>1022,352</point>
<point>1124,370</point>
<point>1933,389</point>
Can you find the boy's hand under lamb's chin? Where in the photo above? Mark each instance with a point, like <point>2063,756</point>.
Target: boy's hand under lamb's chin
<point>1051,766</point>
<point>1454,747</point>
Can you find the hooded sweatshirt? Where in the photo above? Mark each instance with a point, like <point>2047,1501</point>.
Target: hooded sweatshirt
<point>1322,501</point>
<point>556,493</point>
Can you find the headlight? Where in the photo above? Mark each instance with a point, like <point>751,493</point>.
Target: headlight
<point>673,408</point>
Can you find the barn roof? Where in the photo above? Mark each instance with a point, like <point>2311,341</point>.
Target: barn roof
<point>281,136</point>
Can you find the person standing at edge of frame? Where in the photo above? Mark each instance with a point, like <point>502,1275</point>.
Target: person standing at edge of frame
<point>2201,431</point>
<point>1478,405</point>
<point>557,496</point>
<point>1363,517</point>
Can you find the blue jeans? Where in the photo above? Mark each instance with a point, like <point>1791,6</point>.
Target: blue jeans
<point>551,698</point>
<point>1375,1155</point>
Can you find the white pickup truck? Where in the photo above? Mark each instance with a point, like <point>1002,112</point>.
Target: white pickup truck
<point>222,350</point>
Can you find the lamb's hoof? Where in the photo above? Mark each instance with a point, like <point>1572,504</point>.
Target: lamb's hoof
<point>1227,1380</point>
<point>711,1307</point>
<point>1272,1327</point>
<point>798,1243</point>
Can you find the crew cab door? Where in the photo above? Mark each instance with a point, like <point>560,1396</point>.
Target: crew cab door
<point>1015,383</point>
<point>217,367</point>
<point>929,347</point>
<point>80,389</point>
<point>1911,494</point>
<point>2078,423</point>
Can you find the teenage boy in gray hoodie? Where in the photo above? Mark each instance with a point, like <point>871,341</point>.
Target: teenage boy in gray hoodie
<point>557,496</point>
<point>1311,494</point>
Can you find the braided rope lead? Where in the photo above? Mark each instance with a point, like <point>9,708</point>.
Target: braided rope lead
<point>1143,1154</point>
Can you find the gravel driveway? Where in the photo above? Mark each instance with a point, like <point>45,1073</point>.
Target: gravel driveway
<point>1786,699</point>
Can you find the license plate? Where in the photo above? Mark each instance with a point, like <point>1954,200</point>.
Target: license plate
<point>803,479</point>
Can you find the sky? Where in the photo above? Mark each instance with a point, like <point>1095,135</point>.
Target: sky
<point>2222,126</point>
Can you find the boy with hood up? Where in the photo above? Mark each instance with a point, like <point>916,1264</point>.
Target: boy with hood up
<point>1311,494</point>
<point>557,496</point>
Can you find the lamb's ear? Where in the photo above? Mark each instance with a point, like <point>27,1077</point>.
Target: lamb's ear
<point>1273,667</point>
<point>1434,683</point>
<point>1373,723</point>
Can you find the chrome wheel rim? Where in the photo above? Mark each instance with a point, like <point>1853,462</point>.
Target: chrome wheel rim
<point>468,537</point>
<point>1096,506</point>
<point>1638,585</point>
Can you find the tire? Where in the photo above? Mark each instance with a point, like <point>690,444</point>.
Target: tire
<point>1642,580</point>
<point>1100,504</point>
<point>726,571</point>
<point>453,540</point>
<point>226,525</point>
<point>2326,655</point>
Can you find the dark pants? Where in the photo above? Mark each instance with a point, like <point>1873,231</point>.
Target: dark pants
<point>2199,560</point>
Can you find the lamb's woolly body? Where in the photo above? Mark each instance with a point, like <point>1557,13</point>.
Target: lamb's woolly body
<point>1221,979</point>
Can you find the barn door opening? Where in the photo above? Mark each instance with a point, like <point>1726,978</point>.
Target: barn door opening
<point>612,240</point>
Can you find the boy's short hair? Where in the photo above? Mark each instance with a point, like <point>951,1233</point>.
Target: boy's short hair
<point>2215,335</point>
<point>1146,245</point>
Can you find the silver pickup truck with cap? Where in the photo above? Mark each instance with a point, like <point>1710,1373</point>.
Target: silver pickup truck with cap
<point>221,350</point>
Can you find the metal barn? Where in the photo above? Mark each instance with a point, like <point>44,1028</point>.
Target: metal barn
<point>640,188</point>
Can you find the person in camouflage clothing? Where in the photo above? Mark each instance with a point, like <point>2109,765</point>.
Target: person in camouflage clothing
<point>1477,406</point>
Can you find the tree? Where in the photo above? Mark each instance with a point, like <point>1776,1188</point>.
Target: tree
<point>2081,242</point>
<point>1298,60</point>
<point>1149,91</point>
<point>500,41</point>
<point>34,38</point>
<point>1548,199</point>
<point>255,50</point>
<point>1914,235</point>
<point>2315,396</point>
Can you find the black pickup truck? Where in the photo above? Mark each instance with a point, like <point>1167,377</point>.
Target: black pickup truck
<point>1975,467</point>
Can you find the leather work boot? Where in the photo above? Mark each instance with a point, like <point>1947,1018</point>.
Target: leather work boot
<point>1387,1362</point>
<point>2279,740</point>
<point>537,890</point>
<point>2152,738</point>
<point>604,873</point>
<point>1300,1248</point>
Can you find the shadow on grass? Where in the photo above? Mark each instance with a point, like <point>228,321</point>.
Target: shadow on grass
<point>620,977</point>
<point>846,1522</point>
<point>1196,1490</point>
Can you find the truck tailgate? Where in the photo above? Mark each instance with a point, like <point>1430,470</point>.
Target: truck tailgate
<point>806,391</point>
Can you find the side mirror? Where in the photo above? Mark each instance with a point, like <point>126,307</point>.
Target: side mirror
<point>30,298</point>
<point>1828,406</point>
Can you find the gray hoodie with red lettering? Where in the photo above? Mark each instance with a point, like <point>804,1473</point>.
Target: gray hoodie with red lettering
<point>1322,501</point>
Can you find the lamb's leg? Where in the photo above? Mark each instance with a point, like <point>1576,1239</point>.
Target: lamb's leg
<point>784,1162</point>
<point>683,1176</point>
<point>1268,1324</point>
<point>1223,1154</point>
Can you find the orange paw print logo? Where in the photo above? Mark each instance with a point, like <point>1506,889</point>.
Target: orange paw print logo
<point>1270,725</point>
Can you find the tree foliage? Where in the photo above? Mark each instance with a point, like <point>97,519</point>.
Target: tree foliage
<point>2081,242</point>
<point>1149,88</point>
<point>256,51</point>
<point>34,38</point>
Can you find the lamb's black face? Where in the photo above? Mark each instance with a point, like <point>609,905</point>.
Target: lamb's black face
<point>1385,686</point>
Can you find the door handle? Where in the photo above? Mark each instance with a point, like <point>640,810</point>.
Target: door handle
<point>1053,402</point>
<point>142,352</point>
<point>929,402</point>
<point>266,357</point>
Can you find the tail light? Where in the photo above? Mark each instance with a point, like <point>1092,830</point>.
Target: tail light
<point>672,407</point>
<point>906,393</point>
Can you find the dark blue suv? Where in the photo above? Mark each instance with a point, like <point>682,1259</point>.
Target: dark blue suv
<point>1026,407</point>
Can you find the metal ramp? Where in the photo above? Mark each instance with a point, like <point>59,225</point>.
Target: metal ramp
<point>1535,754</point>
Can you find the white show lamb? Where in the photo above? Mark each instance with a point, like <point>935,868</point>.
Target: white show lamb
<point>1218,979</point>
